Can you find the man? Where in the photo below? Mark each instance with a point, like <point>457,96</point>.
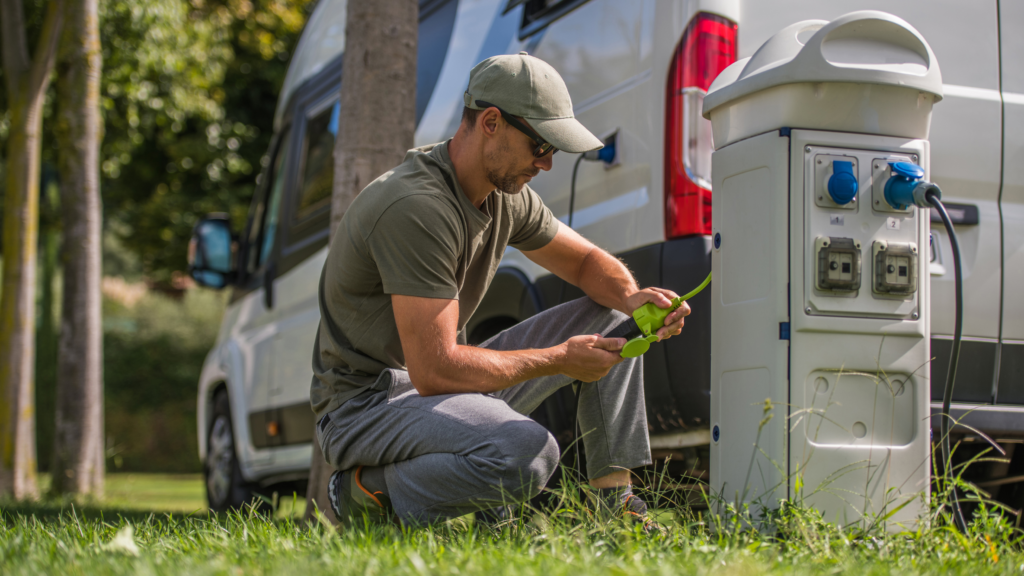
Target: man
<point>420,426</point>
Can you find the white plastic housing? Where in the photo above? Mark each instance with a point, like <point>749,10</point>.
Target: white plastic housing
<point>836,416</point>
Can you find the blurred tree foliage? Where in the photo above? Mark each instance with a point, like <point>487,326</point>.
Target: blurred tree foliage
<point>189,90</point>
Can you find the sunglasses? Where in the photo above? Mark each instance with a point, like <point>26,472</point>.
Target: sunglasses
<point>543,146</point>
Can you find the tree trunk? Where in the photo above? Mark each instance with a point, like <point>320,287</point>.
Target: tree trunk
<point>46,326</point>
<point>27,80</point>
<point>375,129</point>
<point>78,441</point>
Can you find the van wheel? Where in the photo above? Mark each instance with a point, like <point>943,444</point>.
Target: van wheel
<point>226,489</point>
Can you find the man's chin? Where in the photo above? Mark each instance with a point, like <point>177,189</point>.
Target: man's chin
<point>514,189</point>
<point>513,186</point>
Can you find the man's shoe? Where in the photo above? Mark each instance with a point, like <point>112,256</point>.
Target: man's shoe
<point>495,518</point>
<point>352,502</point>
<point>635,509</point>
<point>612,504</point>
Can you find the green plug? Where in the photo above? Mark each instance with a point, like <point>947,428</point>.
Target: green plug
<point>650,318</point>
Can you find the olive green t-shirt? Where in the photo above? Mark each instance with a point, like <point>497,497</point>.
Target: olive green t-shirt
<point>412,232</point>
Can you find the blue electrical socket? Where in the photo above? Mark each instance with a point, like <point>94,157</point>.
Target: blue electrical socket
<point>608,154</point>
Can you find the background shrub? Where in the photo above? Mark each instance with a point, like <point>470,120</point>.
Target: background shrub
<point>154,347</point>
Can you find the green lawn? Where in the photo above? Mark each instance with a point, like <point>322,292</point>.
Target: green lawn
<point>176,493</point>
<point>163,492</point>
<point>157,524</point>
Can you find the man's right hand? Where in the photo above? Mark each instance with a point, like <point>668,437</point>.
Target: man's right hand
<point>589,358</point>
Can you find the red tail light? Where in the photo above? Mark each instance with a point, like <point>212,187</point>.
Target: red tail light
<point>707,47</point>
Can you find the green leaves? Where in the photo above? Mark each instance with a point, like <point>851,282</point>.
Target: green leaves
<point>189,90</point>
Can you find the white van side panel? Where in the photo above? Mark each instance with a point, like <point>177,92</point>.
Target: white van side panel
<point>235,361</point>
<point>1013,173</point>
<point>297,300</point>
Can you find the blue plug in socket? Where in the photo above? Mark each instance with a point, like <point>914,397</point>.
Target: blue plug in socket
<point>606,154</point>
<point>899,188</point>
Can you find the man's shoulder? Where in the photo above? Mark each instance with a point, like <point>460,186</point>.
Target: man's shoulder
<point>415,189</point>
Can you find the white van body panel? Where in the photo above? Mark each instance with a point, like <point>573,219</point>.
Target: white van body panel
<point>1012,14</point>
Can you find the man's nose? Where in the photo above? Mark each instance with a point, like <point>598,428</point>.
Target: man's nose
<point>544,162</point>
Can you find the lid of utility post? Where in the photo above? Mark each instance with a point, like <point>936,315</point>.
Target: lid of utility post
<point>859,50</point>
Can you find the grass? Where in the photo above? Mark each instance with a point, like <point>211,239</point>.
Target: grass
<point>141,529</point>
<point>161,493</point>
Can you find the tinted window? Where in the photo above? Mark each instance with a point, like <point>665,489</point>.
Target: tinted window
<point>266,211</point>
<point>318,163</point>
<point>437,17</point>
<point>539,13</point>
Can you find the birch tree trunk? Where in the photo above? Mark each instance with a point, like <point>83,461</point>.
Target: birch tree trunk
<point>26,79</point>
<point>375,129</point>
<point>78,441</point>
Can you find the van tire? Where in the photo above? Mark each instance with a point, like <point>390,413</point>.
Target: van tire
<point>226,489</point>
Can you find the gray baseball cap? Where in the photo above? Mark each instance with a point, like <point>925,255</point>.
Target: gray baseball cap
<point>530,88</point>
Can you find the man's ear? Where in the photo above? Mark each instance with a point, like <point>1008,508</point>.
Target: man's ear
<point>487,121</point>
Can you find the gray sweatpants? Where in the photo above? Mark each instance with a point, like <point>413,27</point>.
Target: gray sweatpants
<point>452,454</point>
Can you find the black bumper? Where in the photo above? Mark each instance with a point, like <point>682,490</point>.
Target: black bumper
<point>996,421</point>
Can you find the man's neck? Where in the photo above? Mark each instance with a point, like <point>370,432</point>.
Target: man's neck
<point>469,168</point>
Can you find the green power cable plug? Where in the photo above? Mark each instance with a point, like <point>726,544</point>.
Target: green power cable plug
<point>649,318</point>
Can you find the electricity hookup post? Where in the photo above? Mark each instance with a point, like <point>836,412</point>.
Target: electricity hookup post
<point>820,316</point>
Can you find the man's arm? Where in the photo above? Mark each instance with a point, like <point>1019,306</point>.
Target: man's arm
<point>604,278</point>
<point>439,365</point>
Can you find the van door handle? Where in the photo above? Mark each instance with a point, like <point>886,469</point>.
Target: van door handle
<point>268,284</point>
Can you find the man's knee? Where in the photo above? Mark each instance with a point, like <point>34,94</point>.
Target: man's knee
<point>531,458</point>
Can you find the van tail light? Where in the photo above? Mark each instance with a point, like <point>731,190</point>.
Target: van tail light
<point>708,47</point>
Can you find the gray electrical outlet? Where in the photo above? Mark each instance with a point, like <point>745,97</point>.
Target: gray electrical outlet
<point>895,267</point>
<point>839,264</point>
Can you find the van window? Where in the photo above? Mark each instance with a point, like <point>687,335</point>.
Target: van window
<point>318,161</point>
<point>266,211</point>
<point>437,18</point>
<point>539,13</point>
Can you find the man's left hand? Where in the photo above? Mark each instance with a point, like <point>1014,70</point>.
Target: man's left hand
<point>662,299</point>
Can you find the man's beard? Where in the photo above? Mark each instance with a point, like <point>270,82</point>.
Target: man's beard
<point>506,181</point>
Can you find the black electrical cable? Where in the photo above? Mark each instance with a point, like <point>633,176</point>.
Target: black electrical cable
<point>954,356</point>
<point>572,206</point>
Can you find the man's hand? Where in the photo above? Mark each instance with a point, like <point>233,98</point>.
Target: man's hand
<point>662,299</point>
<point>589,358</point>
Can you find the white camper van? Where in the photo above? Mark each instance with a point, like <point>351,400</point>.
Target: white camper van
<point>637,71</point>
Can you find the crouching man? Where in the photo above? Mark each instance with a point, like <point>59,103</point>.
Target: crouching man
<point>420,426</point>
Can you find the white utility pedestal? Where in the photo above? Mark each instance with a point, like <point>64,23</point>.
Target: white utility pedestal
<point>820,315</point>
